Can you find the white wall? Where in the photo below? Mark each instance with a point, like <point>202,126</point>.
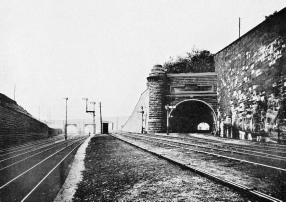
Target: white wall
<point>134,122</point>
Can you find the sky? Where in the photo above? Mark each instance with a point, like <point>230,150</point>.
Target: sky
<point>104,50</point>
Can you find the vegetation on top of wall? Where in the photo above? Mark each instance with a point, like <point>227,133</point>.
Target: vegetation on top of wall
<point>195,61</point>
<point>270,16</point>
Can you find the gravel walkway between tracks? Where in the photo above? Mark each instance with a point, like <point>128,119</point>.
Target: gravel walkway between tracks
<point>116,171</point>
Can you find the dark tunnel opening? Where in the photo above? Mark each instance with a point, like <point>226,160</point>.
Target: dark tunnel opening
<point>187,116</point>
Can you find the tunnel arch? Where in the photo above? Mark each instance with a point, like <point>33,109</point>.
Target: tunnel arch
<point>89,128</point>
<point>189,113</point>
<point>203,126</point>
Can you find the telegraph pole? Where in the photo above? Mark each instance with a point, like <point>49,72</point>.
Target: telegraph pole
<point>66,135</point>
<point>93,116</point>
<point>100,118</point>
<point>239,27</point>
<point>14,92</point>
<point>142,112</point>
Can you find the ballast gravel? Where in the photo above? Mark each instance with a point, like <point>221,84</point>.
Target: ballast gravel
<point>116,171</point>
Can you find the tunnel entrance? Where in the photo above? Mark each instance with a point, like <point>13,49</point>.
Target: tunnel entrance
<point>89,128</point>
<point>203,126</point>
<point>189,115</point>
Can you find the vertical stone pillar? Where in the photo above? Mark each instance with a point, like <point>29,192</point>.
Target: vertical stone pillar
<point>157,87</point>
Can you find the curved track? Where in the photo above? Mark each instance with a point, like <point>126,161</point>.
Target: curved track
<point>35,171</point>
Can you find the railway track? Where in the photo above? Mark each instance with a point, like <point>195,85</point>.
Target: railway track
<point>35,171</point>
<point>253,146</point>
<point>224,150</point>
<point>157,141</point>
<point>32,143</point>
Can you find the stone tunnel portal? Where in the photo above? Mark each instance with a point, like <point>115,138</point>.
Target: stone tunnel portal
<point>189,114</point>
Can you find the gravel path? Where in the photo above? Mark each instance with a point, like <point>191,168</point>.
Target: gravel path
<point>116,171</point>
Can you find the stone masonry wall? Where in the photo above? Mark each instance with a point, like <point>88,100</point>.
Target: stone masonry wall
<point>251,81</point>
<point>17,125</point>
<point>192,79</point>
<point>156,86</point>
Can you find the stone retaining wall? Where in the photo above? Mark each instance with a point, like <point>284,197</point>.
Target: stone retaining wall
<point>17,125</point>
<point>251,81</point>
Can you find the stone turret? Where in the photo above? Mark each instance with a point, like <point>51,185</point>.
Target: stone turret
<point>157,85</point>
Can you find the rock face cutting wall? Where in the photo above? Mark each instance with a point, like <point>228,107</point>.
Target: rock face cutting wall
<point>251,82</point>
<point>17,125</point>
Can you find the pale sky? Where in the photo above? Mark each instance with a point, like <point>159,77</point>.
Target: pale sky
<point>104,50</point>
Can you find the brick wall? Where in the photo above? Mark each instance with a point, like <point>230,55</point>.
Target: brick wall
<point>251,80</point>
